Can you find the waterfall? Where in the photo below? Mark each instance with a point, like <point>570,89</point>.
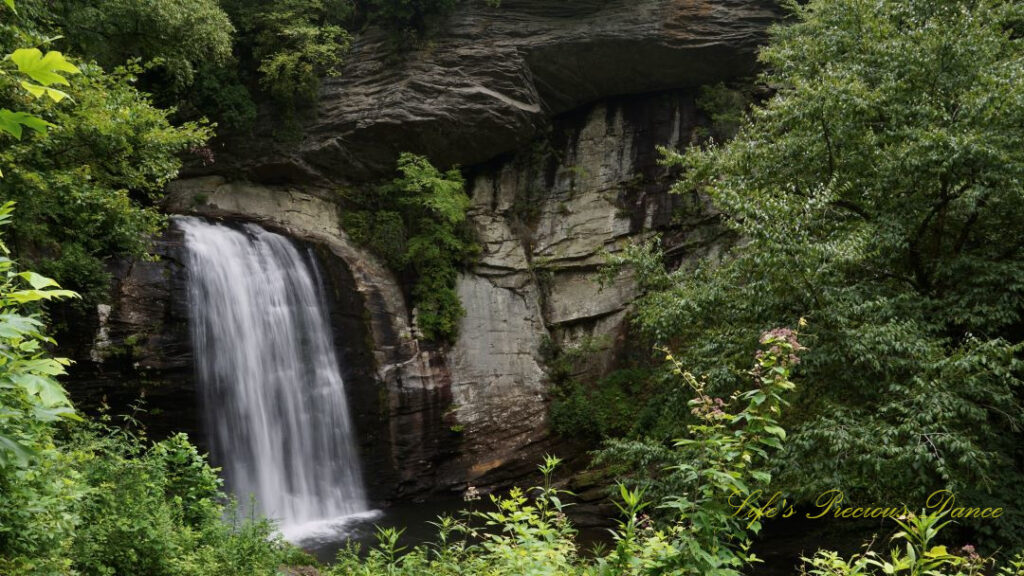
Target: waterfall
<point>271,391</point>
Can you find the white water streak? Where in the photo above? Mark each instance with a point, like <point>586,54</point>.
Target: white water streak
<point>272,394</point>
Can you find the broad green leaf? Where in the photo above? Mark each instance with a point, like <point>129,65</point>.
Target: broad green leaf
<point>937,551</point>
<point>10,4</point>
<point>58,413</point>
<point>29,346</point>
<point>12,122</point>
<point>51,394</point>
<point>40,91</point>
<point>17,326</point>
<point>48,366</point>
<point>38,281</point>
<point>24,296</point>
<point>44,69</point>
<point>12,448</point>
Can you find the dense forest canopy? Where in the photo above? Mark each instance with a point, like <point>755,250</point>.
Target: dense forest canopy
<point>877,201</point>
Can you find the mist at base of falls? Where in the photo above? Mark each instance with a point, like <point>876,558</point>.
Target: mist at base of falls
<point>269,380</point>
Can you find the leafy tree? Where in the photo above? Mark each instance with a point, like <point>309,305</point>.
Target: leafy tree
<point>292,44</point>
<point>180,52</point>
<point>220,94</point>
<point>36,74</point>
<point>879,193</point>
<point>30,394</point>
<point>407,19</point>
<point>35,522</point>
<point>87,190</point>
<point>417,223</point>
<point>172,40</point>
<point>87,187</point>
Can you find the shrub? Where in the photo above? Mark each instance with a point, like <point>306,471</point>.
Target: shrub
<point>417,223</point>
<point>290,45</point>
<point>606,409</point>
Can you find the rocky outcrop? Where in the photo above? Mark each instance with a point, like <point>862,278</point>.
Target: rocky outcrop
<point>487,81</point>
<point>141,348</point>
<point>555,110</point>
<point>435,419</point>
<point>401,432</point>
<point>546,222</point>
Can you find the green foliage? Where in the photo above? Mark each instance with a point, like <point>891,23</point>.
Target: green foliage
<point>35,73</point>
<point>605,409</point>
<point>520,549</point>
<point>521,537</point>
<point>44,70</point>
<point>725,106</point>
<point>722,460</point>
<point>86,190</point>
<point>182,52</point>
<point>172,40</point>
<point>157,510</point>
<point>220,94</point>
<point>87,498</point>
<point>719,463</point>
<point>292,44</point>
<point>917,556</point>
<point>878,194</point>
<point>189,481</point>
<point>417,223</point>
<point>30,397</point>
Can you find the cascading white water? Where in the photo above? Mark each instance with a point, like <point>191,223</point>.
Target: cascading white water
<point>272,393</point>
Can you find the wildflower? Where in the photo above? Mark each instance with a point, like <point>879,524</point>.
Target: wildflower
<point>971,554</point>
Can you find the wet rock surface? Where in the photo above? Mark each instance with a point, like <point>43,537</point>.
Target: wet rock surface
<point>487,81</point>
<point>475,414</point>
<point>555,111</point>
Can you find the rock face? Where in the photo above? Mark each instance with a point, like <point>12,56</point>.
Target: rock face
<point>541,102</point>
<point>434,419</point>
<point>399,430</point>
<point>488,80</point>
<point>141,343</point>
<point>546,222</point>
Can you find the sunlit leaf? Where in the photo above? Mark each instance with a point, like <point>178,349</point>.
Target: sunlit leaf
<point>38,281</point>
<point>40,91</point>
<point>13,122</point>
<point>45,69</point>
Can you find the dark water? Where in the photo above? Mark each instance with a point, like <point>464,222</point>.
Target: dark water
<point>415,518</point>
